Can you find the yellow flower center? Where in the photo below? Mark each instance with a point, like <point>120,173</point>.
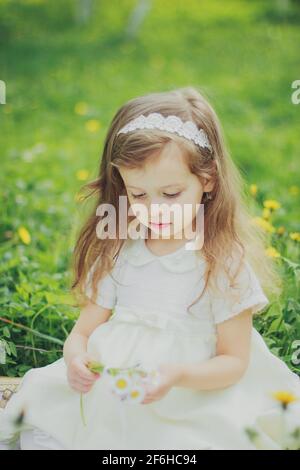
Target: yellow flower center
<point>121,383</point>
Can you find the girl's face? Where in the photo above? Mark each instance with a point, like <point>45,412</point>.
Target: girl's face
<point>164,182</point>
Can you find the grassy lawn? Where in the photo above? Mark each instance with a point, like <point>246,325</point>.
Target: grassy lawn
<point>64,83</point>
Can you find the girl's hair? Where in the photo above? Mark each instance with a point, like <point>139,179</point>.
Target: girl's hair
<point>228,224</point>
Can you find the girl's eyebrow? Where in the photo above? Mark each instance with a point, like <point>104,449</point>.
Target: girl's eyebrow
<point>162,187</point>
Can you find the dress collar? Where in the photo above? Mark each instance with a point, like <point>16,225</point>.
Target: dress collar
<point>183,259</point>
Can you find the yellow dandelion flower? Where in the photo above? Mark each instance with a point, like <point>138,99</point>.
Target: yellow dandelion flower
<point>294,190</point>
<point>295,236</point>
<point>92,125</point>
<point>264,224</point>
<point>284,397</point>
<point>253,189</point>
<point>81,108</point>
<point>281,230</point>
<point>82,175</point>
<point>272,252</point>
<point>266,213</point>
<point>272,204</point>
<point>24,235</point>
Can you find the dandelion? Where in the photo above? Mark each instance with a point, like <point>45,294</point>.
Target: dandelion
<point>272,204</point>
<point>24,235</point>
<point>295,236</point>
<point>253,189</point>
<point>92,125</point>
<point>285,398</point>
<point>272,252</point>
<point>281,230</point>
<point>264,224</point>
<point>266,213</point>
<point>82,175</point>
<point>81,108</point>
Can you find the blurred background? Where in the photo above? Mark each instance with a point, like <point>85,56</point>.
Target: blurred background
<point>65,68</point>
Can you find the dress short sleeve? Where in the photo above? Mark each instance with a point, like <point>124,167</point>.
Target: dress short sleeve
<point>246,292</point>
<point>106,289</point>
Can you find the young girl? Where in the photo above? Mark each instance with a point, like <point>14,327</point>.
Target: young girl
<point>182,305</point>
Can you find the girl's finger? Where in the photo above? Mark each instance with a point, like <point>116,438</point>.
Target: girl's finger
<point>147,398</point>
<point>83,379</point>
<point>85,372</point>
<point>77,378</point>
<point>85,382</point>
<point>81,387</point>
<point>76,387</point>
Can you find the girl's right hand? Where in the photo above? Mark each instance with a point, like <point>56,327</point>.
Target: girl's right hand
<point>80,378</point>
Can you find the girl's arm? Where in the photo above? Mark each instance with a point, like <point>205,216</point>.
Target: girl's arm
<point>91,316</point>
<point>230,362</point>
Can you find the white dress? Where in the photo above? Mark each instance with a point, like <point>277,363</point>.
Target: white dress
<point>150,325</point>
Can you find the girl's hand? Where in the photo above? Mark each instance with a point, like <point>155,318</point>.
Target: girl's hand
<point>80,378</point>
<point>168,377</point>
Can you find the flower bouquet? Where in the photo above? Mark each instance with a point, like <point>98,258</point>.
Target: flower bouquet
<point>126,383</point>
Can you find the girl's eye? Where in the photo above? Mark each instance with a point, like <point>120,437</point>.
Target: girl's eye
<point>137,196</point>
<point>173,195</point>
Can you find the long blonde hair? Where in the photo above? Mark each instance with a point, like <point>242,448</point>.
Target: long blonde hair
<point>228,222</point>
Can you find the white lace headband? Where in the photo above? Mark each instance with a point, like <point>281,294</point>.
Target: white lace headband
<point>171,123</point>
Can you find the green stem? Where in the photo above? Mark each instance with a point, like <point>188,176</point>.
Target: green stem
<point>81,409</point>
<point>35,332</point>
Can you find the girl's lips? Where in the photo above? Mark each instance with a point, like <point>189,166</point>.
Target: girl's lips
<point>159,225</point>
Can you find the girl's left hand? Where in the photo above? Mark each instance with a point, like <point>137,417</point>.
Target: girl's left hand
<point>168,377</point>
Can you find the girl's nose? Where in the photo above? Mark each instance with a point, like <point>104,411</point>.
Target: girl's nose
<point>157,206</point>
<point>158,209</point>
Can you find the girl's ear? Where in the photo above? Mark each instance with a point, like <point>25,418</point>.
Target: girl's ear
<point>208,183</point>
<point>209,187</point>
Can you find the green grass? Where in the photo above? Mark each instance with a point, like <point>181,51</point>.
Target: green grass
<point>243,54</point>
